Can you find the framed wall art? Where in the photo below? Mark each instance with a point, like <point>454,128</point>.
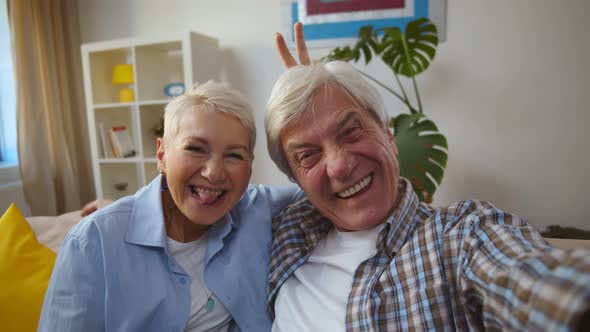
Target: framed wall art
<point>331,23</point>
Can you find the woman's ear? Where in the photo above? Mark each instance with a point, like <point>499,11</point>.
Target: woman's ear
<point>251,164</point>
<point>160,154</point>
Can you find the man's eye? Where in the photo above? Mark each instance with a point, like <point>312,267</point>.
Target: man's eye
<point>307,159</point>
<point>352,131</point>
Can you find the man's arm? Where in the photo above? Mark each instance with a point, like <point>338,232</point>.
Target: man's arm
<point>75,296</point>
<point>280,197</point>
<point>508,277</point>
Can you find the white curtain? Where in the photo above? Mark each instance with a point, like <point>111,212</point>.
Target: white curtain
<point>53,149</point>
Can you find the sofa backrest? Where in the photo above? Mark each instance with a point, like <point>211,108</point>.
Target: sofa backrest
<point>51,231</point>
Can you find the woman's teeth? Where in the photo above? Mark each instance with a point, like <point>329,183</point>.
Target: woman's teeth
<point>208,191</point>
<point>207,196</point>
<point>356,188</point>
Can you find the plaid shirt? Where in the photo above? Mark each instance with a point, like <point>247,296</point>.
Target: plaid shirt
<point>468,266</point>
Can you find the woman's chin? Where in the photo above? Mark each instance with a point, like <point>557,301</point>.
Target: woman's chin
<point>204,214</point>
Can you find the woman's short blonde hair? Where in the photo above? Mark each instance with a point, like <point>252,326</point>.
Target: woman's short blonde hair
<point>209,97</point>
<point>294,91</point>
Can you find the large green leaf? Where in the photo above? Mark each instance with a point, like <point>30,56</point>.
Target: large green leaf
<point>422,152</point>
<point>367,40</point>
<point>411,53</point>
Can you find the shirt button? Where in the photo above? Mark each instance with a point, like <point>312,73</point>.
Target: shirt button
<point>182,280</point>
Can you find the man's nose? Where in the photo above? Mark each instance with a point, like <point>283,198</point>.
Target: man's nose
<point>214,170</point>
<point>340,163</point>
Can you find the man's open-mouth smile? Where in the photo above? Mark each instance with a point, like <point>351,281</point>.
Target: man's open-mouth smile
<point>356,189</point>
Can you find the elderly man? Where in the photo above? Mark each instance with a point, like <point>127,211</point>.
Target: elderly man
<point>361,253</point>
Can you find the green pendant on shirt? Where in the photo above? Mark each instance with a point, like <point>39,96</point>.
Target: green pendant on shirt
<point>210,304</point>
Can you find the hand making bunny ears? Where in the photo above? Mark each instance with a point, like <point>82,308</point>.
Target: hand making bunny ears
<point>286,56</point>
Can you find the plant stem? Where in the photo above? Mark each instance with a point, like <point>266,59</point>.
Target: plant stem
<point>409,64</point>
<point>383,86</point>
<point>403,100</point>
<point>417,93</point>
<point>401,87</point>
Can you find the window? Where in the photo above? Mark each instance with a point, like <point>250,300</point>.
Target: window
<point>8,146</point>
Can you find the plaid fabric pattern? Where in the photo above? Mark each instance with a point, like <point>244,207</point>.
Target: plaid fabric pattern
<point>469,266</point>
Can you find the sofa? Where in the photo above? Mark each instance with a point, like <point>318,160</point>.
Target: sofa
<point>27,253</point>
<point>51,231</point>
<point>28,249</point>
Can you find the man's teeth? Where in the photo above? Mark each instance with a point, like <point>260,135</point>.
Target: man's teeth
<point>356,188</point>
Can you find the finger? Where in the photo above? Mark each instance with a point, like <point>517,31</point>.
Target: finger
<point>88,209</point>
<point>284,52</point>
<point>301,46</point>
<point>102,203</point>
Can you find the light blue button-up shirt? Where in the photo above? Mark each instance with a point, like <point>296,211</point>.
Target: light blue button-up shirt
<point>114,272</point>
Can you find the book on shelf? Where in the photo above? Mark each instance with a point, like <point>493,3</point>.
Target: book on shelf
<point>106,148</point>
<point>121,142</point>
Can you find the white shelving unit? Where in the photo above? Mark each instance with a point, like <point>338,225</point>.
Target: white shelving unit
<point>188,59</point>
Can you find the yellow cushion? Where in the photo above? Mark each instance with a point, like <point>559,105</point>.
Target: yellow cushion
<point>25,269</point>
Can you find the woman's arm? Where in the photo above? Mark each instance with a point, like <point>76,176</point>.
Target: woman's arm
<point>75,296</point>
<point>286,56</point>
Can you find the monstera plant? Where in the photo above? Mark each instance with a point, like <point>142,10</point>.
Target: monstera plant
<point>422,148</point>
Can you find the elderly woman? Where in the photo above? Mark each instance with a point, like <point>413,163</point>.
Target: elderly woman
<point>189,251</point>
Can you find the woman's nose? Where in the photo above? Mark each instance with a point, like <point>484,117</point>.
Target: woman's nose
<point>214,170</point>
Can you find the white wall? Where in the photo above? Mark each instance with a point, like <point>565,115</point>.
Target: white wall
<point>509,88</point>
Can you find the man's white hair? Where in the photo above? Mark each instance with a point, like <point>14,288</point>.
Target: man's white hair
<point>209,97</point>
<point>293,93</point>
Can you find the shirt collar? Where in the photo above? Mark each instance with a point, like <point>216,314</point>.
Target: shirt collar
<point>314,226</point>
<point>216,233</point>
<point>401,222</point>
<point>146,226</point>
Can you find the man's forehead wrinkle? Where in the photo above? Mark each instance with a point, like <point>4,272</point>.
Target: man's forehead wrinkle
<point>324,96</point>
<point>310,115</point>
<point>345,117</point>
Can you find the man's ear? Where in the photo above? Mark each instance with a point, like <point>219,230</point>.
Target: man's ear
<point>160,153</point>
<point>391,138</point>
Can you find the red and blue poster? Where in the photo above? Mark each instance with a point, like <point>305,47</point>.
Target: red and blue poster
<point>329,23</point>
<point>315,7</point>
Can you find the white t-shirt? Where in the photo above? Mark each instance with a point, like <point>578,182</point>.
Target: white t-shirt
<point>314,297</point>
<point>207,313</point>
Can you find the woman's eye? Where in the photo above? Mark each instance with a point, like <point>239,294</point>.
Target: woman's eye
<point>236,156</point>
<point>196,149</point>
